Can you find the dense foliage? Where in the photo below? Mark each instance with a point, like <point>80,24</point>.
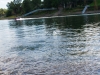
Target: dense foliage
<point>2,12</point>
<point>18,7</point>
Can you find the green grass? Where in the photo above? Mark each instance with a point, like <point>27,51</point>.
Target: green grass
<point>98,3</point>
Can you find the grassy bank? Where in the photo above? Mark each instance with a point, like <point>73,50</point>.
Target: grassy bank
<point>50,13</point>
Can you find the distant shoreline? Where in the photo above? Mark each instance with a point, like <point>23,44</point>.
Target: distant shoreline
<point>65,14</point>
<point>54,14</point>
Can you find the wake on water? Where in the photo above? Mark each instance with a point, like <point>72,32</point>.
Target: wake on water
<point>58,16</point>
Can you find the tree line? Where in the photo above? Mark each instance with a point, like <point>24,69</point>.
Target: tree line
<point>2,12</point>
<point>18,7</point>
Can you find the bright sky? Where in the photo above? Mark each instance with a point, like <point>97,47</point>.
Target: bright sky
<point>3,3</point>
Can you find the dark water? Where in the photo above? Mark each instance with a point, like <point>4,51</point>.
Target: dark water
<point>50,46</point>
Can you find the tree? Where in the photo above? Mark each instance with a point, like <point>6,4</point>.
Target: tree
<point>11,8</point>
<point>17,4</point>
<point>47,3</point>
<point>35,4</point>
<point>87,2</point>
<point>2,12</point>
<point>14,7</point>
<point>26,6</point>
<point>56,3</point>
<point>17,1</point>
<point>95,3</point>
<point>84,2</point>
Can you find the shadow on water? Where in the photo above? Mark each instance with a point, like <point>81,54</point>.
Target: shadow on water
<point>61,22</point>
<point>19,23</point>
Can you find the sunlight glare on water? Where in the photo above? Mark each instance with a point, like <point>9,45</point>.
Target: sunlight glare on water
<point>50,46</point>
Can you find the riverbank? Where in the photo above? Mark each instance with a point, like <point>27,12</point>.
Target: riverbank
<point>60,13</point>
<point>54,13</point>
<point>11,17</point>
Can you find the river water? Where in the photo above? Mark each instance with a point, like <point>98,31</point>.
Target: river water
<point>50,46</point>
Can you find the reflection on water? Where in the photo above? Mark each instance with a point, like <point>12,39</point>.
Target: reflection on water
<point>52,46</point>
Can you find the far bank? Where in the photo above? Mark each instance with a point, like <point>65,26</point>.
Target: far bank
<point>51,13</point>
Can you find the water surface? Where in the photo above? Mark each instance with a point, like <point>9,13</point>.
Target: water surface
<point>50,46</point>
